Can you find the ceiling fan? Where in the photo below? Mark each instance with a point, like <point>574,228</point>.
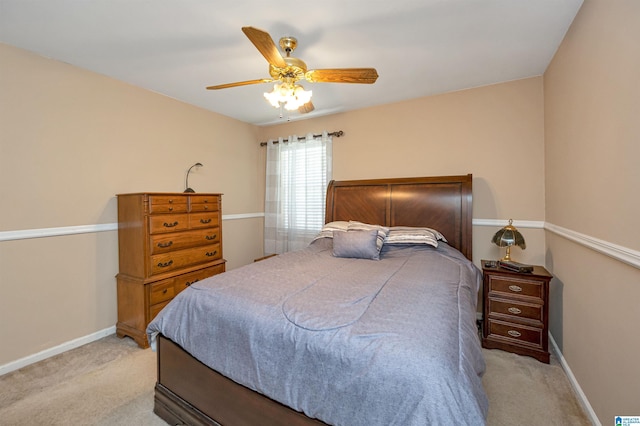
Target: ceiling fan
<point>287,71</point>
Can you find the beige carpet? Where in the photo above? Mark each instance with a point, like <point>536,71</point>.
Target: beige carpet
<point>110,382</point>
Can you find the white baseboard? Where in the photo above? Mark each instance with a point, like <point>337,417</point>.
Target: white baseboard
<point>48,353</point>
<point>574,383</point>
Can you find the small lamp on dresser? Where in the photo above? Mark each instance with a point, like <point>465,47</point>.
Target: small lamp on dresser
<point>186,181</point>
<point>507,237</point>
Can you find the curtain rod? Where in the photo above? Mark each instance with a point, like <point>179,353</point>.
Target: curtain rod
<point>337,134</point>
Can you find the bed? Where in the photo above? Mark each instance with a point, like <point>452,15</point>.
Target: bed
<point>311,338</point>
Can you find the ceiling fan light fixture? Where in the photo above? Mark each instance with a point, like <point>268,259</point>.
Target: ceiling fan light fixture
<point>287,70</point>
<point>291,96</point>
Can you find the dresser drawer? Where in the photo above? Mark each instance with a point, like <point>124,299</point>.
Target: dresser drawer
<point>161,291</point>
<point>184,281</point>
<point>168,223</point>
<point>203,220</point>
<point>155,309</point>
<point>163,243</point>
<point>167,204</point>
<point>516,287</point>
<point>166,262</point>
<point>513,310</point>
<point>204,203</point>
<point>515,333</point>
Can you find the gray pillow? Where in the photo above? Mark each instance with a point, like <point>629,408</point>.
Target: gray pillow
<point>356,244</point>
<point>360,226</point>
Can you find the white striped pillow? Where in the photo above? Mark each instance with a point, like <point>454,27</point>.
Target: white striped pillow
<point>413,235</point>
<point>327,229</point>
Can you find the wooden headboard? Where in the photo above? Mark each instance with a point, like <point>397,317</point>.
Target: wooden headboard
<point>441,202</point>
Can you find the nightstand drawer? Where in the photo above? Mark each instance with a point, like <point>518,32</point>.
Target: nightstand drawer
<point>515,310</point>
<point>516,287</point>
<point>515,333</point>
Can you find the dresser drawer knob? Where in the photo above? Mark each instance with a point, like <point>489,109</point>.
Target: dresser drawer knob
<point>514,333</point>
<point>211,253</point>
<point>205,220</point>
<point>188,283</point>
<point>211,237</point>
<point>170,225</point>
<point>514,310</point>
<point>165,291</point>
<point>165,264</point>
<point>515,288</point>
<point>171,208</point>
<point>206,207</point>
<point>165,245</point>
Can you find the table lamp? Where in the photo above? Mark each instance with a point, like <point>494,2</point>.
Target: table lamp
<point>507,237</point>
<point>186,181</point>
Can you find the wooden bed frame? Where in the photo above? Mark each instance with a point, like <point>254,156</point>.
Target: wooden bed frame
<point>189,392</point>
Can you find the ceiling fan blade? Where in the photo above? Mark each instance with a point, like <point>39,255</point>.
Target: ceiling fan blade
<point>240,83</point>
<point>264,43</point>
<point>343,75</point>
<point>308,107</point>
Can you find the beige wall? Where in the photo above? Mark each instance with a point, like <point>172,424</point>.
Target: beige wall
<point>75,139</point>
<point>592,140</point>
<point>69,141</point>
<point>495,132</point>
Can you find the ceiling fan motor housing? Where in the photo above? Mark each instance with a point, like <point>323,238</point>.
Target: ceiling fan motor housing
<point>295,69</point>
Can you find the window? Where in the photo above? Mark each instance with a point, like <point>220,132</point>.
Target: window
<point>298,172</point>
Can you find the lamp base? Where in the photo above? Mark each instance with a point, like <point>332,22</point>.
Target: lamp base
<point>507,256</point>
<point>189,190</point>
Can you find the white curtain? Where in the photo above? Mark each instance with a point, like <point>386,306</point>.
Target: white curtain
<point>298,172</point>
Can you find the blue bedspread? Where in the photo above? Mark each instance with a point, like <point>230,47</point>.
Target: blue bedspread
<point>347,341</point>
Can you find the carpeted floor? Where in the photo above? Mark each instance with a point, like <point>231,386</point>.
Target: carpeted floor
<point>110,382</point>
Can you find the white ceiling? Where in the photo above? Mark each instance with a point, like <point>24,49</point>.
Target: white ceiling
<point>177,47</point>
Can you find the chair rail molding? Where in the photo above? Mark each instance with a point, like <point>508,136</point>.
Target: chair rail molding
<point>539,224</point>
<point>25,234</point>
<point>623,254</point>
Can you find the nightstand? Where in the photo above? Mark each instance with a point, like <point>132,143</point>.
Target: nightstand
<point>264,257</point>
<point>516,311</point>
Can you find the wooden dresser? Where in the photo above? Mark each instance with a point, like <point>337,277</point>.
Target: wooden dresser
<point>167,241</point>
<point>516,311</point>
